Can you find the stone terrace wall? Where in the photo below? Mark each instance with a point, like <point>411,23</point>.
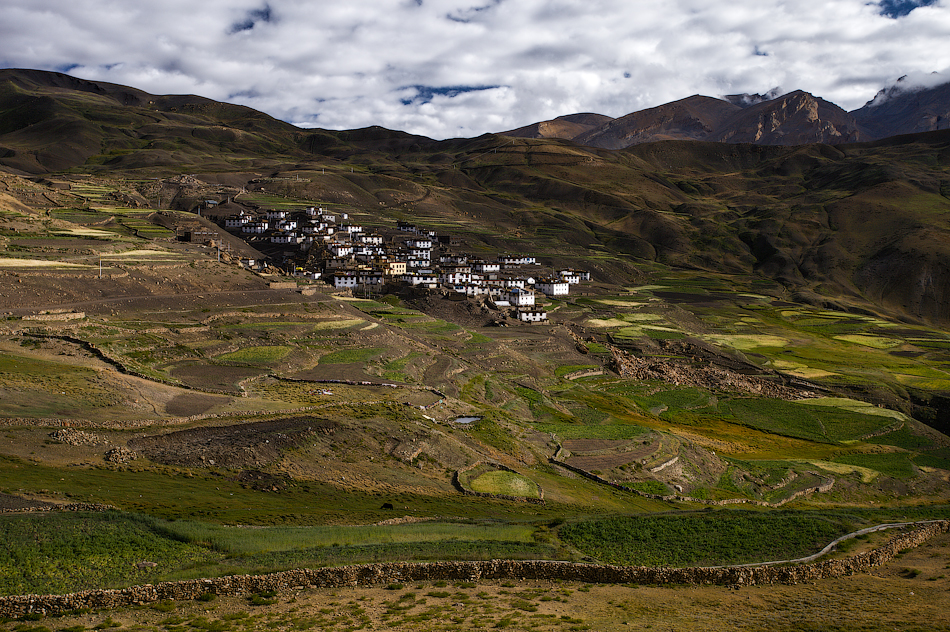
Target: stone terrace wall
<point>817,489</point>
<point>368,574</point>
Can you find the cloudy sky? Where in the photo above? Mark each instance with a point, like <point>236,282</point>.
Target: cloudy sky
<point>451,68</point>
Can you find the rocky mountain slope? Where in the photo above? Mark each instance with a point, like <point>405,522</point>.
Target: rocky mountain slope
<point>900,109</point>
<point>796,118</point>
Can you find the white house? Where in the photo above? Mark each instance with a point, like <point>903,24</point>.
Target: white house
<point>517,260</point>
<point>553,287</point>
<point>285,237</point>
<point>238,221</point>
<point>256,228</point>
<point>453,276</point>
<point>520,298</point>
<point>344,279</point>
<point>371,239</point>
<point>370,277</point>
<point>570,277</point>
<point>580,275</point>
<point>485,267</point>
<point>532,315</point>
<point>340,250</point>
<point>419,244</point>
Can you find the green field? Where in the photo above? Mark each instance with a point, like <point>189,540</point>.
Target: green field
<point>58,553</point>
<point>722,537</point>
<point>504,483</point>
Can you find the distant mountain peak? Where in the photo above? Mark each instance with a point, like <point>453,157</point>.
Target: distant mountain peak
<point>914,103</point>
<point>907,84</point>
<point>745,100</point>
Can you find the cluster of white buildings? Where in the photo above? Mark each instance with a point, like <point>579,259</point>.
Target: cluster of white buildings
<point>286,227</point>
<point>349,257</point>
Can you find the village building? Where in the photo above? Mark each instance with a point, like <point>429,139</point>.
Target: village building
<point>420,243</point>
<point>238,221</point>
<point>510,261</point>
<point>344,279</point>
<point>519,297</point>
<point>485,267</point>
<point>574,276</point>
<point>553,287</point>
<point>256,228</point>
<point>532,315</point>
<point>370,277</point>
<point>394,268</point>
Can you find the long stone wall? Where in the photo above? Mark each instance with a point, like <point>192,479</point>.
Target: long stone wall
<point>68,507</point>
<point>369,574</point>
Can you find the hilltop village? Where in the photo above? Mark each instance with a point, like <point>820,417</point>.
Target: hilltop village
<point>327,245</point>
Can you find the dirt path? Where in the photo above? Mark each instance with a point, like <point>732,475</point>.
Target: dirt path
<point>834,543</point>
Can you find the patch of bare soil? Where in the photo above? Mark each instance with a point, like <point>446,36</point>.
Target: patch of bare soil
<point>188,404</point>
<point>237,447</point>
<point>224,378</point>
<point>453,308</point>
<point>18,503</point>
<point>350,371</point>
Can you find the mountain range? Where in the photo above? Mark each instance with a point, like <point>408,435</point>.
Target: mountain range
<point>52,122</point>
<point>796,118</point>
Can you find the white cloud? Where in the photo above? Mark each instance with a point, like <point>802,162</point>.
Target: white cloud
<point>353,64</point>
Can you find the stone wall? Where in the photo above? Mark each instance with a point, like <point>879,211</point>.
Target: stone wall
<point>55,317</point>
<point>822,488</point>
<point>368,574</point>
<point>68,507</point>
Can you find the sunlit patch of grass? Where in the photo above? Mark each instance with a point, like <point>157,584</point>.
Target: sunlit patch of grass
<point>606,323</point>
<point>854,405</point>
<point>895,464</point>
<point>875,342</point>
<point>337,324</point>
<point>924,377</point>
<point>505,483</point>
<point>801,370</point>
<point>618,302</point>
<point>747,342</point>
<point>14,262</point>
<point>867,474</point>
